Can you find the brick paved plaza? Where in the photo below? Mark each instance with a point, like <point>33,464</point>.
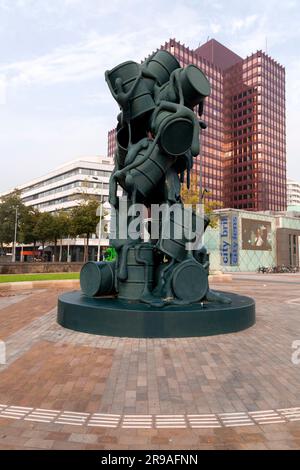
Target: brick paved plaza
<point>65,390</point>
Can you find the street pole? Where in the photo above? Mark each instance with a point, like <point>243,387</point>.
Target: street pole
<point>200,185</point>
<point>68,252</point>
<point>200,164</point>
<point>100,224</point>
<point>202,126</point>
<point>15,237</point>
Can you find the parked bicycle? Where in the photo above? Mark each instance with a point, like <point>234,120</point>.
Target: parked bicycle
<point>283,269</point>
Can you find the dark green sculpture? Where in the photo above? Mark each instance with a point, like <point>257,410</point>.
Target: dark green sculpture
<point>157,139</point>
<point>157,286</point>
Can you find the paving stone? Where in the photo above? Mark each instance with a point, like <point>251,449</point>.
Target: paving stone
<point>53,368</point>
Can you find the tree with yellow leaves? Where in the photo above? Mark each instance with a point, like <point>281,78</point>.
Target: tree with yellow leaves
<point>191,196</point>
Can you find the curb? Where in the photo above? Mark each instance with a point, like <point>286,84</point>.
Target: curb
<point>74,283</point>
<point>29,285</point>
<point>220,277</point>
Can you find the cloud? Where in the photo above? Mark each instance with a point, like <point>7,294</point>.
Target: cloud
<point>35,146</point>
<point>4,5</point>
<point>69,63</point>
<point>87,59</point>
<point>293,82</point>
<point>243,23</point>
<point>215,28</point>
<point>3,89</point>
<point>58,69</point>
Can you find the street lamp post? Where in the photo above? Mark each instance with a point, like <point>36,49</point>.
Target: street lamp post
<point>15,237</point>
<point>200,164</point>
<point>100,215</point>
<point>202,126</point>
<point>100,223</point>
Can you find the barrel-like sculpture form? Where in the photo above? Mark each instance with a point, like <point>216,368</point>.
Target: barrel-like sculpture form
<point>190,281</point>
<point>122,140</point>
<point>97,278</point>
<point>176,133</point>
<point>177,237</point>
<point>160,66</point>
<point>139,274</point>
<point>139,98</point>
<point>195,85</point>
<point>148,174</point>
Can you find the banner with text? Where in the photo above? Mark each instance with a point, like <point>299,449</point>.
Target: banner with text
<point>229,240</point>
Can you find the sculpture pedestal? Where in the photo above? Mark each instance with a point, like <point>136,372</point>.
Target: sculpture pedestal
<point>111,316</point>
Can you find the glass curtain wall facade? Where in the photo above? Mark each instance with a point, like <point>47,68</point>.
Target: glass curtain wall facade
<point>255,135</point>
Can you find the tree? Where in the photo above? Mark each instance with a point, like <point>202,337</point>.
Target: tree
<point>84,221</point>
<point>209,208</point>
<point>10,207</point>
<point>61,229</point>
<point>28,223</point>
<point>44,228</point>
<point>191,196</point>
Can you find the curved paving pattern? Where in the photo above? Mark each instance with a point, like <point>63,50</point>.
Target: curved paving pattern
<point>193,421</point>
<point>243,384</point>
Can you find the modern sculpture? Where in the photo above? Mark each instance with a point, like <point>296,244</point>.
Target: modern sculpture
<point>156,287</point>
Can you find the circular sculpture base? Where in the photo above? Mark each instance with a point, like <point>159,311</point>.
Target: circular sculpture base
<point>111,316</point>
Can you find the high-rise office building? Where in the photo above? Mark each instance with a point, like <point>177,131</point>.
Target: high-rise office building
<point>254,134</point>
<point>244,146</point>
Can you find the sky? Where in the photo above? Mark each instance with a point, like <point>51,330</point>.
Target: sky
<point>54,102</point>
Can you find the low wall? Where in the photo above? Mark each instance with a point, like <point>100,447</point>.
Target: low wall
<point>30,268</point>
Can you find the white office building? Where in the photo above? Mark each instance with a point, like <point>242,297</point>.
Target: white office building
<point>64,188</point>
<point>293,193</point>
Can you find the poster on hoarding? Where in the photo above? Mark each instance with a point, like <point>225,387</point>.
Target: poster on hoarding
<point>256,235</point>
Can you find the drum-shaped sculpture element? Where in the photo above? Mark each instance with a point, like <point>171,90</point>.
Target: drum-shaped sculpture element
<point>176,133</point>
<point>178,234</point>
<point>140,272</point>
<point>188,86</point>
<point>126,85</point>
<point>195,86</point>
<point>159,67</point>
<point>97,278</point>
<point>190,281</point>
<point>149,173</point>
